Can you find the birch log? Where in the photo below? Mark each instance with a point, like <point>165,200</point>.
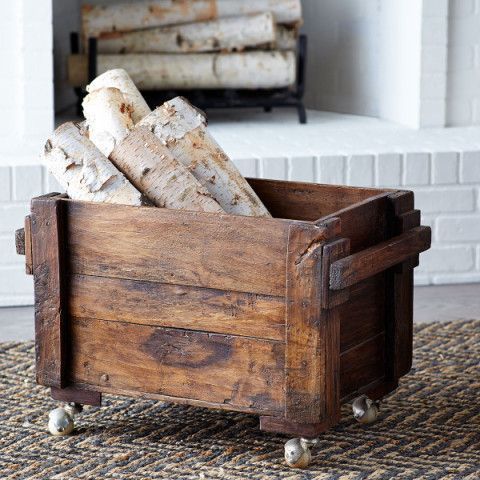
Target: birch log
<point>233,33</point>
<point>124,17</point>
<point>84,172</point>
<point>182,128</point>
<point>256,69</point>
<point>286,37</point>
<point>108,116</point>
<point>152,169</point>
<point>119,78</point>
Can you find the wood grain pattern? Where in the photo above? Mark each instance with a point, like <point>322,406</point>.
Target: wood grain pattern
<point>240,372</point>
<point>363,316</point>
<point>288,427</point>
<point>72,394</point>
<point>305,367</point>
<point>189,248</point>
<point>178,306</point>
<point>47,230</point>
<point>369,262</point>
<point>308,201</point>
<point>362,365</point>
<point>28,246</point>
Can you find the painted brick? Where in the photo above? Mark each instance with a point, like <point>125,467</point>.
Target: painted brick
<point>27,182</point>
<point>460,228</point>
<point>247,167</point>
<point>388,169</point>
<point>360,170</point>
<point>421,279</point>
<point>470,167</point>
<point>13,281</point>
<point>455,278</point>
<point>432,112</point>
<point>5,188</point>
<point>416,169</point>
<point>461,8</point>
<point>447,259</point>
<point>8,254</point>
<point>434,60</point>
<point>331,169</point>
<point>54,186</point>
<point>442,200</point>
<point>434,31</point>
<point>435,8</point>
<point>478,257</point>
<point>444,167</point>
<point>274,168</point>
<point>12,216</point>
<point>301,169</point>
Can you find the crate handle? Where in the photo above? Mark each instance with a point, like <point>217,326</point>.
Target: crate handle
<point>362,265</point>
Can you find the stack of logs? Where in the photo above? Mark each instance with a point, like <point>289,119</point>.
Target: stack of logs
<point>124,153</point>
<point>185,44</point>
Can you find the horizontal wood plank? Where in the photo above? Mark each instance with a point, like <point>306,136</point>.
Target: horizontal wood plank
<point>177,306</point>
<point>185,248</point>
<point>363,316</point>
<point>362,365</point>
<point>240,372</point>
<point>355,268</point>
<point>307,201</point>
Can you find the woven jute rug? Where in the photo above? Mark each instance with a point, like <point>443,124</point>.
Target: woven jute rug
<point>428,429</point>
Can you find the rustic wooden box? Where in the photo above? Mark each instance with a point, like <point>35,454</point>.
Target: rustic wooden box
<point>286,318</point>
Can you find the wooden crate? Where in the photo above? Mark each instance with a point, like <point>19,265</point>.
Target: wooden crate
<point>286,318</point>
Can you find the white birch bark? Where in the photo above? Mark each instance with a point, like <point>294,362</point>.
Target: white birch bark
<point>152,169</point>
<point>124,17</point>
<point>108,116</point>
<point>83,171</point>
<point>232,33</point>
<point>256,69</point>
<point>182,128</point>
<point>119,78</point>
<point>286,38</point>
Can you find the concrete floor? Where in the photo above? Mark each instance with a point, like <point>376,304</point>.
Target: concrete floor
<point>438,303</point>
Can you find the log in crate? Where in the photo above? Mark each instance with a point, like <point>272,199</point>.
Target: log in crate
<point>259,315</point>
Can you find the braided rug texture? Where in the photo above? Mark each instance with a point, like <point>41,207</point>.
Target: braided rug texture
<point>428,429</point>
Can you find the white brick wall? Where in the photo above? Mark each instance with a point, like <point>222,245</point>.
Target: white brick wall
<point>451,207</point>
<point>463,77</point>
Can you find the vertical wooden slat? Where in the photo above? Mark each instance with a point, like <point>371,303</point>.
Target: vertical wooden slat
<point>305,364</point>
<point>46,223</point>
<point>28,246</point>
<point>399,327</point>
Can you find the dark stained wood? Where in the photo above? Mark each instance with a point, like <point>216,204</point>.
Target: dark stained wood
<point>363,316</point>
<point>402,223</point>
<point>222,369</point>
<point>47,232</point>
<point>287,427</point>
<point>28,246</point>
<point>178,306</point>
<point>20,241</point>
<point>331,253</point>
<point>362,365</point>
<point>369,262</point>
<point>305,344</point>
<point>305,355</point>
<point>170,246</point>
<point>71,394</point>
<point>308,201</point>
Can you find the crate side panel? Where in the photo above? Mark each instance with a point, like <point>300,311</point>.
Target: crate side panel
<point>307,201</point>
<point>178,306</point>
<point>245,373</point>
<point>362,365</point>
<point>243,254</point>
<point>363,316</point>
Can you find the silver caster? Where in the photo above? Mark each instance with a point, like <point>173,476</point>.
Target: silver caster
<point>60,420</point>
<point>297,452</point>
<point>365,410</point>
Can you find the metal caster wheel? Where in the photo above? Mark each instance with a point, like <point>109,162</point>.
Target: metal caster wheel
<point>365,410</point>
<point>60,420</point>
<point>297,452</point>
